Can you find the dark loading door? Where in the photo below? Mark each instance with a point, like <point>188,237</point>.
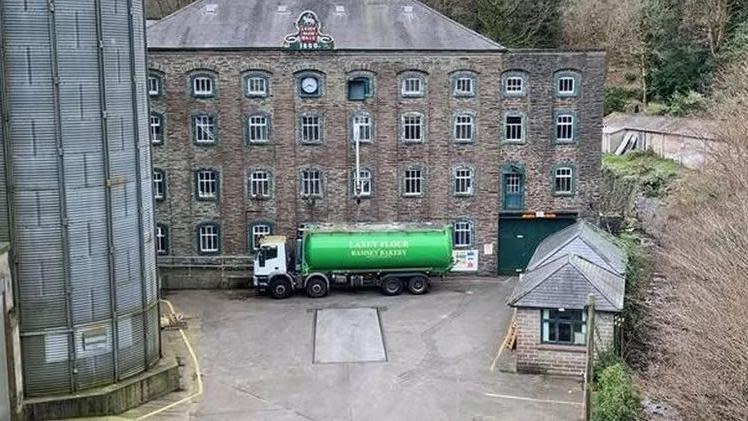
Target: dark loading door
<point>519,237</point>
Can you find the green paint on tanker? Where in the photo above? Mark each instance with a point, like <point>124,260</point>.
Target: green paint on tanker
<point>365,251</point>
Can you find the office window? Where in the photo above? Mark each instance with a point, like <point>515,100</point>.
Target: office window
<point>565,128</point>
<point>204,129</point>
<point>362,128</point>
<point>209,238</point>
<point>258,231</point>
<point>413,182</point>
<point>311,183</point>
<point>257,86</point>
<point>514,83</point>
<point>363,188</point>
<point>464,128</point>
<point>563,180</point>
<point>412,86</point>
<point>462,234</point>
<point>154,84</point>
<point>463,181</point>
<point>311,129</point>
<point>412,127</point>
<point>359,88</point>
<point>162,240</point>
<point>565,327</point>
<point>568,83</point>
<point>258,128</point>
<point>203,85</point>
<point>514,128</point>
<point>463,84</point>
<point>207,184</point>
<point>260,184</point>
<point>156,128</point>
<point>159,184</point>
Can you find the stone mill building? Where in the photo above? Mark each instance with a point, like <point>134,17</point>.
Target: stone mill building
<point>256,109</point>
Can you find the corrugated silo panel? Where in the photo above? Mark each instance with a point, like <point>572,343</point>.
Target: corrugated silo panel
<point>152,330</point>
<point>45,364</point>
<point>131,344</point>
<point>129,283</point>
<point>90,298</point>
<point>94,359</point>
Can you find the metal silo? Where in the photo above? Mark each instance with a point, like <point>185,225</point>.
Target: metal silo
<point>76,203</point>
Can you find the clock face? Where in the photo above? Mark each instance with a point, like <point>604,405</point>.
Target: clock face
<point>309,85</point>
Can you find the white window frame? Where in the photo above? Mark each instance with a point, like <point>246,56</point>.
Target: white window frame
<point>156,126</point>
<point>154,80</point>
<point>204,126</point>
<point>260,184</point>
<point>162,239</point>
<point>409,127</point>
<point>563,81</point>
<point>464,123</point>
<point>464,181</point>
<point>459,90</point>
<point>209,238</point>
<point>258,128</point>
<point>565,125</point>
<point>159,184</point>
<point>259,230</point>
<point>511,86</point>
<point>516,128</point>
<point>260,82</point>
<point>309,126</point>
<point>463,234</point>
<point>363,125</point>
<point>202,85</point>
<point>311,183</point>
<point>207,184</point>
<point>365,177</point>
<point>565,176</point>
<point>413,182</point>
<point>412,86</point>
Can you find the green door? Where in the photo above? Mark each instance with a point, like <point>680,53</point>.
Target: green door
<point>519,237</point>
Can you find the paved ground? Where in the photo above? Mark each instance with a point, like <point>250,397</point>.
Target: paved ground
<point>257,360</point>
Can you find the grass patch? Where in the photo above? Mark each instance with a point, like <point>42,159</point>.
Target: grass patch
<point>651,174</point>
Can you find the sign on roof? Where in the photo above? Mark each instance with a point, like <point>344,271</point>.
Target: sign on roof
<point>309,34</point>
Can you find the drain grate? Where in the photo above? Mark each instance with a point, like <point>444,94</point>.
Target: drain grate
<point>348,335</point>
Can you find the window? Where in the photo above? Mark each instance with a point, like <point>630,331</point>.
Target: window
<point>565,128</point>
<point>412,86</point>
<point>202,86</point>
<point>159,184</point>
<point>154,84</point>
<point>412,127</point>
<point>513,186</point>
<point>464,128</point>
<point>359,88</point>
<point>463,85</point>
<point>568,83</point>
<point>514,83</point>
<point>162,240</point>
<point>260,184</point>
<point>204,129</point>
<point>156,129</point>
<point>311,129</point>
<point>209,238</point>
<point>257,86</point>
<point>258,129</point>
<point>413,182</point>
<point>463,179</point>
<point>566,327</point>
<point>362,128</point>
<point>514,128</point>
<point>363,189</point>
<point>207,184</point>
<point>462,234</point>
<point>259,230</point>
<point>563,181</point>
<point>311,183</point>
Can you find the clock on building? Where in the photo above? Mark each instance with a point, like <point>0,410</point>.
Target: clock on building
<point>310,85</point>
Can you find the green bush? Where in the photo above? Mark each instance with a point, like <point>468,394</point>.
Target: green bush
<point>616,397</point>
<point>657,108</point>
<point>615,100</point>
<point>605,358</point>
<point>684,104</point>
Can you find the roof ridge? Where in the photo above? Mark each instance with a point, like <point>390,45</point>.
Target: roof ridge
<point>461,26</point>
<point>563,244</point>
<point>579,269</point>
<point>515,299</point>
<point>178,12</point>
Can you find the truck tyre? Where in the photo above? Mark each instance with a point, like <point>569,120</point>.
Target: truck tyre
<point>280,287</point>
<point>418,285</point>
<point>316,287</point>
<point>392,286</point>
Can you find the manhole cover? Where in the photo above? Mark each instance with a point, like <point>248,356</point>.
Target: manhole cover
<point>348,335</point>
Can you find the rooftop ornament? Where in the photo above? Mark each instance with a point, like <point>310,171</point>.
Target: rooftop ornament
<point>309,35</point>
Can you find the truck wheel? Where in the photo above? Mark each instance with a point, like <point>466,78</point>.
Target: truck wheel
<point>316,288</point>
<point>280,287</point>
<point>418,285</point>
<point>392,286</point>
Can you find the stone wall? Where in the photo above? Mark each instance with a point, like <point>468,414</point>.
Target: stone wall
<point>386,156</point>
<point>536,357</point>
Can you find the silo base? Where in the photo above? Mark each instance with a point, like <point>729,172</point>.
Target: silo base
<point>110,400</point>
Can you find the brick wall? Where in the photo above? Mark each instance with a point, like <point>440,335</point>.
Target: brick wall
<point>536,357</point>
<point>386,156</point>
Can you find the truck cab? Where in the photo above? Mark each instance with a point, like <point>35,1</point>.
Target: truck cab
<point>271,264</point>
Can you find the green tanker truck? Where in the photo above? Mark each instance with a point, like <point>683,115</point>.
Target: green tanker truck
<point>393,257</point>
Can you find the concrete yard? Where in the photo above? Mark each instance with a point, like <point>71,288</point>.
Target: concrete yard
<point>264,359</point>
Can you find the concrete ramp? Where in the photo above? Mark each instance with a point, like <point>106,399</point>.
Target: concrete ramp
<point>348,335</point>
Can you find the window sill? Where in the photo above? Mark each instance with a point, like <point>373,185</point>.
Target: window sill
<point>258,142</point>
<point>261,198</point>
<point>565,142</point>
<point>204,143</point>
<point>464,142</point>
<point>412,195</point>
<point>562,348</point>
<point>463,95</point>
<point>513,142</point>
<point>508,95</point>
<point>464,195</point>
<point>257,96</point>
<point>207,199</point>
<point>301,142</point>
<point>563,194</point>
<point>412,142</point>
<point>203,96</point>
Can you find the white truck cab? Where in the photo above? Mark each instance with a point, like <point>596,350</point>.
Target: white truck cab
<point>271,261</point>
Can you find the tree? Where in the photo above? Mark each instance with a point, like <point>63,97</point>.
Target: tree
<point>521,23</point>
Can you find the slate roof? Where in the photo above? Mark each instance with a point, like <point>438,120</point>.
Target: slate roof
<point>566,282</point>
<point>678,126</point>
<point>359,25</point>
<point>583,239</point>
